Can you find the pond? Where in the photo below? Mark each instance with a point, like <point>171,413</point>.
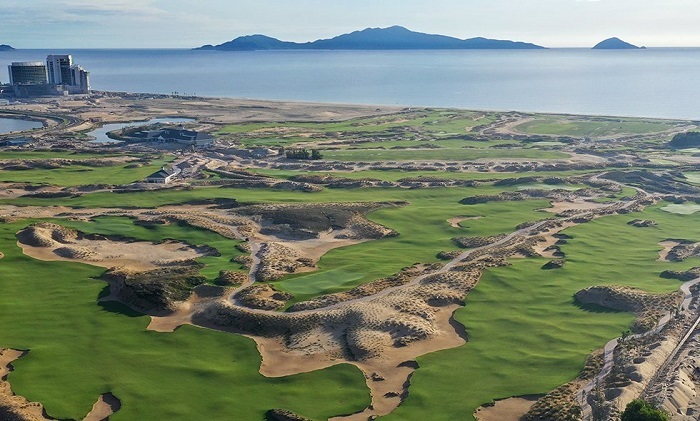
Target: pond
<point>100,134</point>
<point>9,125</point>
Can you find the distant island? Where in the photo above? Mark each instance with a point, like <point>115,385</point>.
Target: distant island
<point>615,44</point>
<point>5,47</point>
<point>392,38</point>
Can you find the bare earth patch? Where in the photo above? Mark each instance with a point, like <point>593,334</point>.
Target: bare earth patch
<point>511,409</point>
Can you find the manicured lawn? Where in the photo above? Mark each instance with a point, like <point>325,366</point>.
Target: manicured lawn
<point>458,154</point>
<point>526,336</point>
<point>601,127</point>
<point>80,349</point>
<point>76,175</point>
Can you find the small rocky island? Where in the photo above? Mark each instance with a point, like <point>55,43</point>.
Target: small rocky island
<point>5,47</point>
<point>615,44</point>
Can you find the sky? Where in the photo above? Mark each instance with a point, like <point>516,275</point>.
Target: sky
<point>192,23</point>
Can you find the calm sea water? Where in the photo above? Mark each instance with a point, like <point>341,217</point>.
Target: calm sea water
<point>8,125</point>
<point>653,82</point>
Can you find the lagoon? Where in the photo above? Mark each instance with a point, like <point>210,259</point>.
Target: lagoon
<point>9,125</point>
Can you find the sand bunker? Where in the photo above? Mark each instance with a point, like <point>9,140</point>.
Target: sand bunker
<point>454,222</point>
<point>667,245</point>
<point>52,242</point>
<point>569,205</point>
<point>511,409</point>
<point>106,405</point>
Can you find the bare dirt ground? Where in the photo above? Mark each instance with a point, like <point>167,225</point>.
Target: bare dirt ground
<point>511,409</point>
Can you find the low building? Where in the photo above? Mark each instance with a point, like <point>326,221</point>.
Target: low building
<point>27,73</point>
<point>164,176</point>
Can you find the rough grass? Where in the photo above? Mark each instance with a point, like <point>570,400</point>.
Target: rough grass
<point>80,349</point>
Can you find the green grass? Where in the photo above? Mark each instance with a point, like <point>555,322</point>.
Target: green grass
<point>459,154</point>
<point>395,175</point>
<point>525,334</point>
<point>692,177</point>
<point>682,209</point>
<point>76,175</point>
<point>424,231</point>
<point>50,155</point>
<point>599,127</point>
<point>80,349</point>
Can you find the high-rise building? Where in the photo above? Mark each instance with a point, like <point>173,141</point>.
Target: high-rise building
<point>30,72</point>
<point>80,80</point>
<point>58,66</point>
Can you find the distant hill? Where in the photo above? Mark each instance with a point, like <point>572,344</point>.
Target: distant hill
<point>392,38</point>
<point>614,44</point>
<point>5,47</point>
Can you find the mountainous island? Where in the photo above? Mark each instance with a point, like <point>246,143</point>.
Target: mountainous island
<point>615,44</point>
<point>392,38</point>
<point>5,47</point>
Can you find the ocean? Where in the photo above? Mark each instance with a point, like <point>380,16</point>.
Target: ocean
<point>657,82</point>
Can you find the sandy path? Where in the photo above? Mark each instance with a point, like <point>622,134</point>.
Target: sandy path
<point>511,409</point>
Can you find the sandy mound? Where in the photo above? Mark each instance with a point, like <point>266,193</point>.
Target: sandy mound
<point>648,308</point>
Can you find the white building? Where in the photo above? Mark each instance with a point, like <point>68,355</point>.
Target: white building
<point>80,80</point>
<point>58,67</point>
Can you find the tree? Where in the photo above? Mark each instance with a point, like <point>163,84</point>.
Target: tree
<point>641,410</point>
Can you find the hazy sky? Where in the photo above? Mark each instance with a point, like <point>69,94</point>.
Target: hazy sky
<point>191,23</point>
